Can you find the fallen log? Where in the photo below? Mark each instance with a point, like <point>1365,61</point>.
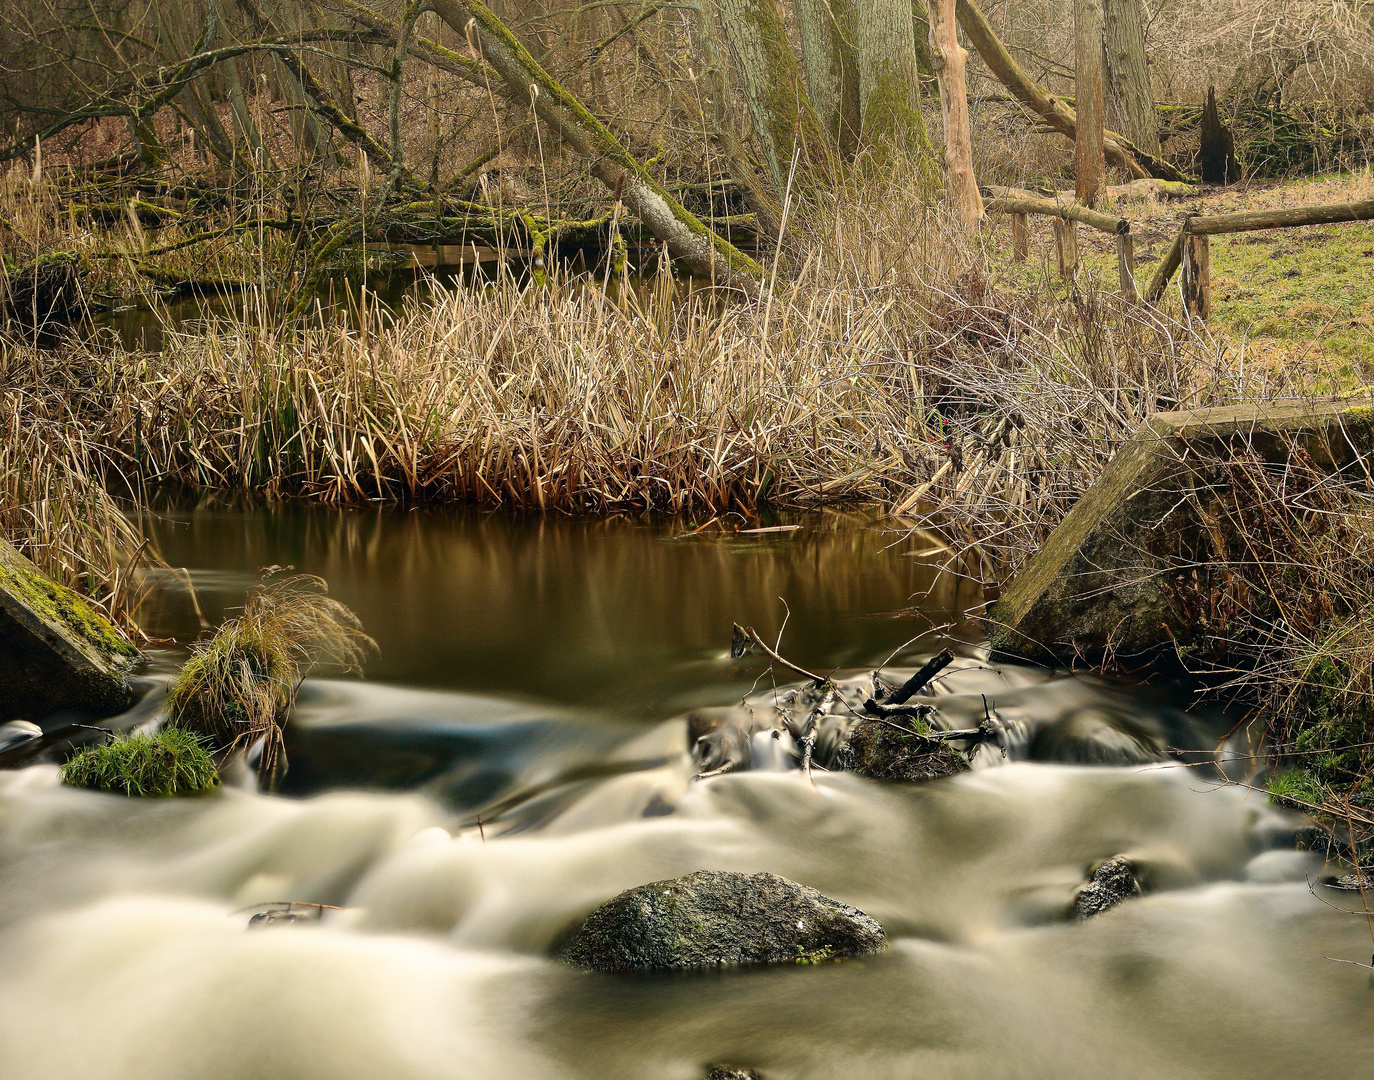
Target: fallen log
<point>1067,211</point>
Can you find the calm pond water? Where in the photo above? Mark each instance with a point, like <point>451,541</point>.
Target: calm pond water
<point>534,674</point>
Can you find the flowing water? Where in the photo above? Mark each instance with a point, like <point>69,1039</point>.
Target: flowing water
<point>517,755</point>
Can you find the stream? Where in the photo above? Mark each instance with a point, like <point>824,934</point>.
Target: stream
<point>517,755</point>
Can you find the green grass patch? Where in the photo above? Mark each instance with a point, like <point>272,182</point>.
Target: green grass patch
<point>167,762</point>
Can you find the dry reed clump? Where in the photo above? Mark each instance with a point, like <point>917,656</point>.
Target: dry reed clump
<point>1284,600</point>
<point>889,370</point>
<point>54,503</point>
<point>237,688</point>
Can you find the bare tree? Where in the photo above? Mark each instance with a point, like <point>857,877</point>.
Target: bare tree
<point>1130,103</point>
<point>948,60</point>
<point>1090,166</point>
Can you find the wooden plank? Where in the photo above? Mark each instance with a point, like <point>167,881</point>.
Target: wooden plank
<point>1068,211</point>
<point>1020,237</point>
<point>1197,277</point>
<point>1125,268</point>
<point>1282,219</point>
<point>1165,270</point>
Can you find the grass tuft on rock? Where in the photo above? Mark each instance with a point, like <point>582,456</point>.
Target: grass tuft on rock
<point>163,763</point>
<point>238,686</point>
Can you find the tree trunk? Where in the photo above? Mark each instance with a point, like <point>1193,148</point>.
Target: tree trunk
<point>948,60</point>
<point>1130,104</point>
<point>744,167</point>
<point>772,86</point>
<point>688,239</point>
<point>832,69</point>
<point>1090,166</point>
<point>889,87</point>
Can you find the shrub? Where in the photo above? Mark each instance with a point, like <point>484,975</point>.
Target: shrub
<point>167,762</point>
<point>239,686</point>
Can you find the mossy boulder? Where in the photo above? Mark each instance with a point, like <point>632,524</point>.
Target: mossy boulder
<point>57,652</point>
<point>717,919</point>
<point>1106,581</point>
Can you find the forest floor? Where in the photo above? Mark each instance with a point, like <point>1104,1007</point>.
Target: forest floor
<point>1301,299</point>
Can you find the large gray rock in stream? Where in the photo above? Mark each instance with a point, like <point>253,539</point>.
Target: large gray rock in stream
<point>1105,583</point>
<point>56,651</point>
<point>715,918</point>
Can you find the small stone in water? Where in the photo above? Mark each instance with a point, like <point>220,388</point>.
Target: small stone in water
<point>1111,883</point>
<point>729,1072</point>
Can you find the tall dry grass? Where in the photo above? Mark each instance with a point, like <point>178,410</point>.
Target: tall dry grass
<point>883,366</point>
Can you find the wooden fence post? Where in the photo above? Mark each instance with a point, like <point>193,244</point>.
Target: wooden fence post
<point>1066,247</point>
<point>1197,277</point>
<point>1125,267</point>
<point>1020,237</point>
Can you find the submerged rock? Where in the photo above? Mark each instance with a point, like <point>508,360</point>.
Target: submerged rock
<point>729,1072</point>
<point>18,733</point>
<point>1108,885</point>
<point>56,650</point>
<point>882,752</point>
<point>714,918</point>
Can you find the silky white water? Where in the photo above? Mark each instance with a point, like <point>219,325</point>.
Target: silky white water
<point>125,950</point>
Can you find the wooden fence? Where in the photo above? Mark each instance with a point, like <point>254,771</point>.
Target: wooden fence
<point>1189,249</point>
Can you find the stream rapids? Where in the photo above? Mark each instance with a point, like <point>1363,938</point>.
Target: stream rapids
<point>518,755</point>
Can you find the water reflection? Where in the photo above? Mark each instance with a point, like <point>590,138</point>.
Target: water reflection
<point>623,614</point>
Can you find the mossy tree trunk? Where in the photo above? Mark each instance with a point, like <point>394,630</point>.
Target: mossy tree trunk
<point>1130,103</point>
<point>826,28</point>
<point>703,251</point>
<point>949,60</point>
<point>1090,165</point>
<point>889,87</point>
<point>774,90</point>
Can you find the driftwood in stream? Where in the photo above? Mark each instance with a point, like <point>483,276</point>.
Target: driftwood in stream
<point>833,724</point>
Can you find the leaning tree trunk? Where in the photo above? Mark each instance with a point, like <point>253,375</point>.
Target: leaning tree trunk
<point>772,86</point>
<point>889,86</point>
<point>688,239</point>
<point>1130,104</point>
<point>1090,166</point>
<point>832,69</point>
<point>948,59</point>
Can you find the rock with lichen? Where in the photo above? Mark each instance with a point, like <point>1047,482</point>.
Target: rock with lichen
<point>715,918</point>
<point>1110,883</point>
